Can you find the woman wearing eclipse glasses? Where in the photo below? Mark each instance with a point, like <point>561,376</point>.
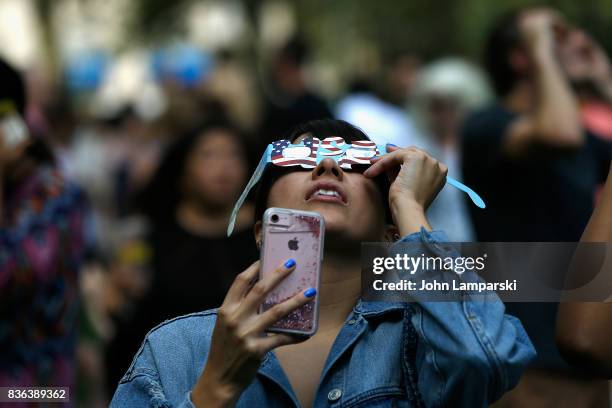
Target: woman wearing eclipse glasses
<point>455,353</point>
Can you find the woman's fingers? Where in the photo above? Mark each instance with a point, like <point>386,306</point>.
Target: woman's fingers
<point>242,284</point>
<point>277,312</point>
<point>393,159</point>
<point>392,148</point>
<point>391,162</point>
<point>258,292</point>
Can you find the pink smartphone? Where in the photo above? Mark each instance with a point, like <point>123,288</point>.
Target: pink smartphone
<point>297,235</point>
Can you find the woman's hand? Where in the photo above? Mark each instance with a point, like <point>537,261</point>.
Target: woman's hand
<point>538,28</point>
<point>239,341</point>
<point>416,178</point>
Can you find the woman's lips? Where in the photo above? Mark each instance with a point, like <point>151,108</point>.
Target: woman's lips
<point>326,192</point>
<point>327,199</point>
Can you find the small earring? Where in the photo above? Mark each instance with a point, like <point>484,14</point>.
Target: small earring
<point>396,236</point>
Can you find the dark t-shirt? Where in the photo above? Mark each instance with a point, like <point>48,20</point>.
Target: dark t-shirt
<point>191,273</point>
<point>546,196</point>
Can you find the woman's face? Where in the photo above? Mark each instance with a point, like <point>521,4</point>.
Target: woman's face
<point>443,115</point>
<point>350,203</point>
<point>215,170</point>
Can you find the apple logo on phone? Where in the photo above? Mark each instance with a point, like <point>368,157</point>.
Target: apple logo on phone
<point>293,244</point>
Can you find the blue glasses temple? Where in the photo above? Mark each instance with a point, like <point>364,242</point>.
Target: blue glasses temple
<point>478,202</point>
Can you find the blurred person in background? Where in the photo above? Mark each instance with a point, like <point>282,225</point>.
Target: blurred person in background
<point>137,149</point>
<point>232,83</point>
<point>584,328</point>
<point>401,76</point>
<point>380,109</point>
<point>112,285</point>
<point>445,91</point>
<point>385,122</point>
<point>41,248</point>
<point>107,157</point>
<point>537,168</point>
<point>188,204</point>
<point>113,155</point>
<point>591,74</point>
<point>290,100</point>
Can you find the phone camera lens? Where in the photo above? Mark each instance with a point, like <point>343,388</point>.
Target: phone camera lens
<point>274,218</point>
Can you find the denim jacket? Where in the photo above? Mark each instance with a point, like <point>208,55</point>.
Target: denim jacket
<point>433,354</point>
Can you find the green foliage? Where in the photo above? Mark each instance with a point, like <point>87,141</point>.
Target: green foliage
<point>153,20</point>
<point>429,27</point>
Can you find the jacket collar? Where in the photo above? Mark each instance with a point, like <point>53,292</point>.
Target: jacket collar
<point>376,309</point>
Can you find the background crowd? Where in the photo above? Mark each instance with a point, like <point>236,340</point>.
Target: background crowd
<point>147,118</point>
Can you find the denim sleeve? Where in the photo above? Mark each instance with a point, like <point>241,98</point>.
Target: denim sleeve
<point>141,385</point>
<point>469,352</point>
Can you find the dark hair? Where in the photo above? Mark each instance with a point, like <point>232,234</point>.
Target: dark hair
<point>503,37</point>
<point>295,50</point>
<point>320,128</point>
<point>160,197</point>
<point>12,87</point>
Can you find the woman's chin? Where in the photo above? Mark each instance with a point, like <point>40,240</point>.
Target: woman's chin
<point>334,218</point>
<point>340,229</point>
<point>328,210</point>
<point>337,221</point>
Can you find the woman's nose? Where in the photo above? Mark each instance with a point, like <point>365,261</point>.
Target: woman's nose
<point>327,167</point>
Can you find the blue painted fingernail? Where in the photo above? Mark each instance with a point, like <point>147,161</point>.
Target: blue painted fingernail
<point>310,292</point>
<point>391,144</point>
<point>289,263</point>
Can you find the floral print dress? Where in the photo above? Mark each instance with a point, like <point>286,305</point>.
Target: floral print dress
<point>41,247</point>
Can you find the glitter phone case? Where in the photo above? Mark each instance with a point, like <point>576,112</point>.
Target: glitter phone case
<point>298,235</point>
